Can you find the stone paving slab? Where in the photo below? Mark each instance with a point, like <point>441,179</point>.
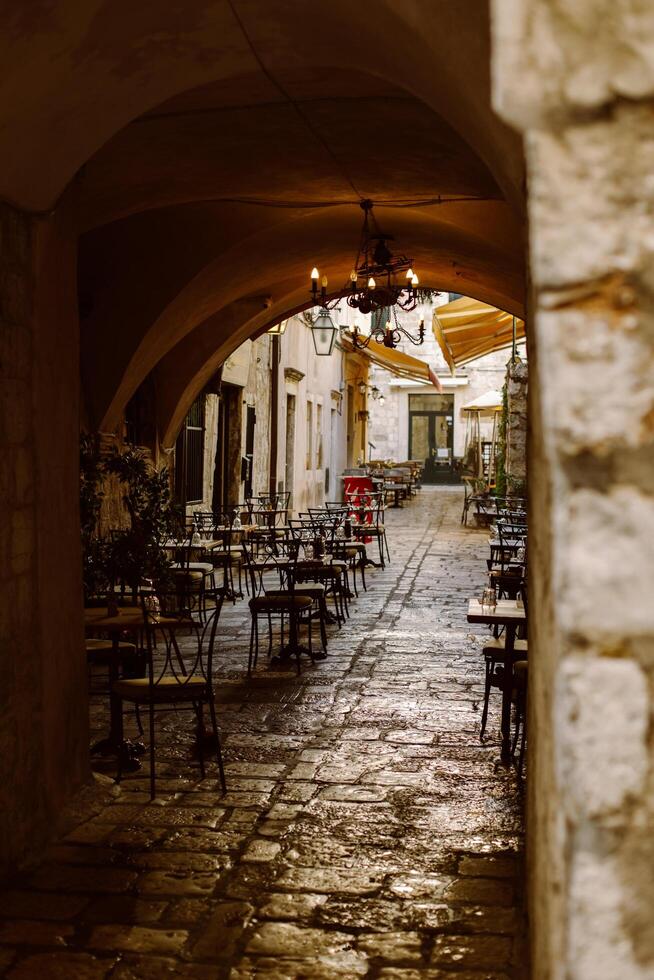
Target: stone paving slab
<point>366,831</point>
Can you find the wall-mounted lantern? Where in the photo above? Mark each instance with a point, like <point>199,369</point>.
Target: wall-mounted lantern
<point>324,333</point>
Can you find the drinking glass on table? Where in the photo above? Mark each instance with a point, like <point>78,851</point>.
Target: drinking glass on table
<point>489,598</point>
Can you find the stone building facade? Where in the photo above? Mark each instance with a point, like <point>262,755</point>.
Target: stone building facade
<point>390,421</point>
<point>320,421</point>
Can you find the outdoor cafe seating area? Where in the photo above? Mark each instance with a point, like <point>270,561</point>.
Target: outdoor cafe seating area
<point>153,647</point>
<point>502,607</point>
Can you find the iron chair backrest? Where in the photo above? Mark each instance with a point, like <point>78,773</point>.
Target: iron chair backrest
<point>169,615</point>
<point>312,524</point>
<point>261,563</point>
<point>510,534</point>
<point>335,505</point>
<point>364,503</point>
<point>206,523</point>
<point>274,503</point>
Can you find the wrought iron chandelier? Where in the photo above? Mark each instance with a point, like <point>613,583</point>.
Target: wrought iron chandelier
<point>383,331</point>
<point>379,279</point>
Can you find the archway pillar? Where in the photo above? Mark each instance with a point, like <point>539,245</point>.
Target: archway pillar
<point>591,646</point>
<point>44,716</point>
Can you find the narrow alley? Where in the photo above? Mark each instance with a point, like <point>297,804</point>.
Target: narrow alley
<point>366,830</point>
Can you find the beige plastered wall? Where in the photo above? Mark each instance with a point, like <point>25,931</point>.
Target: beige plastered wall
<point>311,379</point>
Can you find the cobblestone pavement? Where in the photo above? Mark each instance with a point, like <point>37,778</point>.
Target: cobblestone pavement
<point>365,832</point>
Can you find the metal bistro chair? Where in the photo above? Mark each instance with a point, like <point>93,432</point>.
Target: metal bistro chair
<point>367,511</point>
<point>209,527</point>
<point>355,551</point>
<point>277,600</point>
<point>195,578</point>
<point>232,546</point>
<point>494,660</point>
<point>345,547</point>
<point>269,509</point>
<point>327,569</point>
<point>181,677</point>
<point>520,686</point>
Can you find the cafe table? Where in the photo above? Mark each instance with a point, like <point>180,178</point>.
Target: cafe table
<point>127,619</point>
<point>508,614</point>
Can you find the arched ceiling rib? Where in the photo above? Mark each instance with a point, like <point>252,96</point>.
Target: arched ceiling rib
<point>189,366</point>
<point>392,146</point>
<point>77,72</point>
<point>161,114</point>
<point>177,273</point>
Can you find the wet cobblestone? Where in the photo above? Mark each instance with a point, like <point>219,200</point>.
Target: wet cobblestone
<point>366,832</point>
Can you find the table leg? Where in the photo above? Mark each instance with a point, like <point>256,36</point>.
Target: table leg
<point>116,742</point>
<point>507,690</point>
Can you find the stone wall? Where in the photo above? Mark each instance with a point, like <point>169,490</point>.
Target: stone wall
<point>580,86</point>
<point>43,709</point>
<point>322,382</point>
<point>257,393</point>
<point>517,375</point>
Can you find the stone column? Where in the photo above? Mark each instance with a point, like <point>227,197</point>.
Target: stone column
<point>43,711</point>
<point>578,79</point>
<point>516,427</point>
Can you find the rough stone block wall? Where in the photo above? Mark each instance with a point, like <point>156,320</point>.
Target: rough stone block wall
<point>43,709</point>
<point>17,526</point>
<point>579,82</point>
<point>516,425</point>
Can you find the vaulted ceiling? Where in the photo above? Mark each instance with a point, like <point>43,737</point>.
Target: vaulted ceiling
<point>213,151</point>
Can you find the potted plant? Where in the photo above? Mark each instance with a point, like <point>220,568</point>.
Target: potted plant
<point>95,551</point>
<point>137,554</point>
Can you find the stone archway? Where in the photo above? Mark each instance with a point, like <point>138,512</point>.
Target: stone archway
<point>81,86</point>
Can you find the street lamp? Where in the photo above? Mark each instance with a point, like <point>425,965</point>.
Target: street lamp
<point>324,333</point>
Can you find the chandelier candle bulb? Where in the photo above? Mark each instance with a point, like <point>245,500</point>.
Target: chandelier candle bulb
<point>374,281</point>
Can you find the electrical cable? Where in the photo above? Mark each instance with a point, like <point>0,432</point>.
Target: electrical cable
<point>315,205</point>
<point>292,102</point>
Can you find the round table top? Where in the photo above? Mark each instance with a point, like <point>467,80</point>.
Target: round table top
<point>129,617</point>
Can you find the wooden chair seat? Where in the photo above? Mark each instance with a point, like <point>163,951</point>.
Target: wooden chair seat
<point>190,576</point>
<point>313,589</point>
<point>101,651</point>
<point>495,648</point>
<point>279,602</point>
<point>168,689</point>
<point>205,568</point>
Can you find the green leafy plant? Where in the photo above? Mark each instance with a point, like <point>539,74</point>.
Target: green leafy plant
<point>136,553</point>
<point>95,551</point>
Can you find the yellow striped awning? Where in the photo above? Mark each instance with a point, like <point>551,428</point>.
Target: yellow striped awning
<point>467,329</point>
<point>395,361</point>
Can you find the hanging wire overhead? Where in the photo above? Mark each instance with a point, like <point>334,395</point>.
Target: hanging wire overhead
<point>292,102</point>
<point>379,202</point>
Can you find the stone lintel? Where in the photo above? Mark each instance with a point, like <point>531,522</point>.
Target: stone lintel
<point>293,375</point>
